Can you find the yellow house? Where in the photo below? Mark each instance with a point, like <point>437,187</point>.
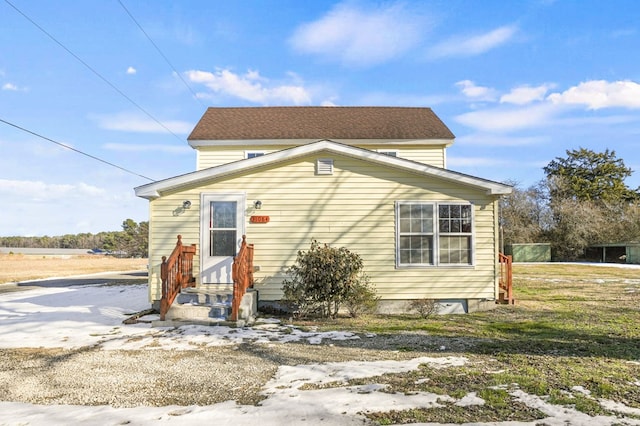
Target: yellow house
<point>371,179</point>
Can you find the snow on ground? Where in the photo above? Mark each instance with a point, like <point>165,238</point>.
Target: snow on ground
<point>72,317</point>
<point>92,315</point>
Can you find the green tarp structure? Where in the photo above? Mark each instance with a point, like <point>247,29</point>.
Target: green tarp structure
<point>530,252</point>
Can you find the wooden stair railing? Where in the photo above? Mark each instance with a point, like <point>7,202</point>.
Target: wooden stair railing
<point>506,280</point>
<point>242,275</point>
<point>176,273</point>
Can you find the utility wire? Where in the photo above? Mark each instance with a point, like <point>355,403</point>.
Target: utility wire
<point>93,70</point>
<point>74,149</point>
<point>161,54</point>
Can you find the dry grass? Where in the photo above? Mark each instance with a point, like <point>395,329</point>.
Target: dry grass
<point>572,325</point>
<point>20,267</point>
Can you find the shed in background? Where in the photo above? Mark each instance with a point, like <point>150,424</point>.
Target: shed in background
<point>614,253</point>
<point>529,252</point>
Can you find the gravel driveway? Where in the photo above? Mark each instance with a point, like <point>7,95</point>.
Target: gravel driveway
<point>128,378</point>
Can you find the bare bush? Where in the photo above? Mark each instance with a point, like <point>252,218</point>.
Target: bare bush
<point>424,307</point>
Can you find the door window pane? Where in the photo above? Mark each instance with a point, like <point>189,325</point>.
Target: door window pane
<point>223,232</point>
<point>223,243</point>
<point>223,214</point>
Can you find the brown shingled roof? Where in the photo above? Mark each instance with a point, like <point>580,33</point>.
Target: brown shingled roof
<point>319,123</point>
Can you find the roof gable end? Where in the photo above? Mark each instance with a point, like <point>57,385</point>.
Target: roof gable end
<point>155,189</point>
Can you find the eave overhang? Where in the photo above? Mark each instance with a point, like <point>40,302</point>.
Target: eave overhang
<point>201,143</point>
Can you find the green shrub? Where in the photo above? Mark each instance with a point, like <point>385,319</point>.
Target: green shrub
<point>323,278</point>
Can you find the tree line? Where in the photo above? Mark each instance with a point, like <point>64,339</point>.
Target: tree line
<point>132,241</point>
<point>583,200</point>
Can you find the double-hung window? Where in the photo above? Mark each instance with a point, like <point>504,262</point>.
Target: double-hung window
<point>433,234</point>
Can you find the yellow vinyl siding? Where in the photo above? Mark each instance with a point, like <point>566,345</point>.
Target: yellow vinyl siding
<point>433,157</point>
<point>215,156</point>
<point>354,207</point>
<point>167,221</point>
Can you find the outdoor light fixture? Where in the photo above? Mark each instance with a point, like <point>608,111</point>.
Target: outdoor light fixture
<point>186,204</point>
<point>257,204</point>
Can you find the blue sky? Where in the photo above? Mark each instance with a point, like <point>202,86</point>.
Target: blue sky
<point>518,83</point>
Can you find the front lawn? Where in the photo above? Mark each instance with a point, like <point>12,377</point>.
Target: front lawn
<point>573,337</point>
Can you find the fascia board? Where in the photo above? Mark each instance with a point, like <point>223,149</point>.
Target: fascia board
<point>492,188</point>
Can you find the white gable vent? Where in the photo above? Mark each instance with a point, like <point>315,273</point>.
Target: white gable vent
<point>324,166</point>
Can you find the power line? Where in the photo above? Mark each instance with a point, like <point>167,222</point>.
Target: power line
<point>93,70</point>
<point>160,52</point>
<point>93,157</point>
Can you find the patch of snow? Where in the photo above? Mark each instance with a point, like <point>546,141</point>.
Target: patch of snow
<point>268,321</point>
<point>562,415</point>
<point>470,399</point>
<point>345,371</point>
<point>581,389</point>
<point>618,407</point>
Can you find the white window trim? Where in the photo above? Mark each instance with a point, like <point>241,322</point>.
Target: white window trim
<point>436,236</point>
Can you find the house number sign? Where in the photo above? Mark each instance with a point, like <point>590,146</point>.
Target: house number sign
<point>259,219</point>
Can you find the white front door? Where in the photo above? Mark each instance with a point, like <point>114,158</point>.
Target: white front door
<point>222,227</point>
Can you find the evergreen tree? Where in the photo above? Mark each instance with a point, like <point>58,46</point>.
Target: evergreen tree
<point>586,175</point>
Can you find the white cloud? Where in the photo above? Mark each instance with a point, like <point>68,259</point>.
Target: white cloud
<point>251,87</point>
<point>473,45</point>
<point>131,70</point>
<point>471,90</point>
<point>38,190</point>
<point>525,94</point>
<point>597,94</point>
<point>508,119</point>
<point>10,86</point>
<point>359,37</point>
<point>526,107</point>
<point>133,122</point>
<point>171,149</point>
